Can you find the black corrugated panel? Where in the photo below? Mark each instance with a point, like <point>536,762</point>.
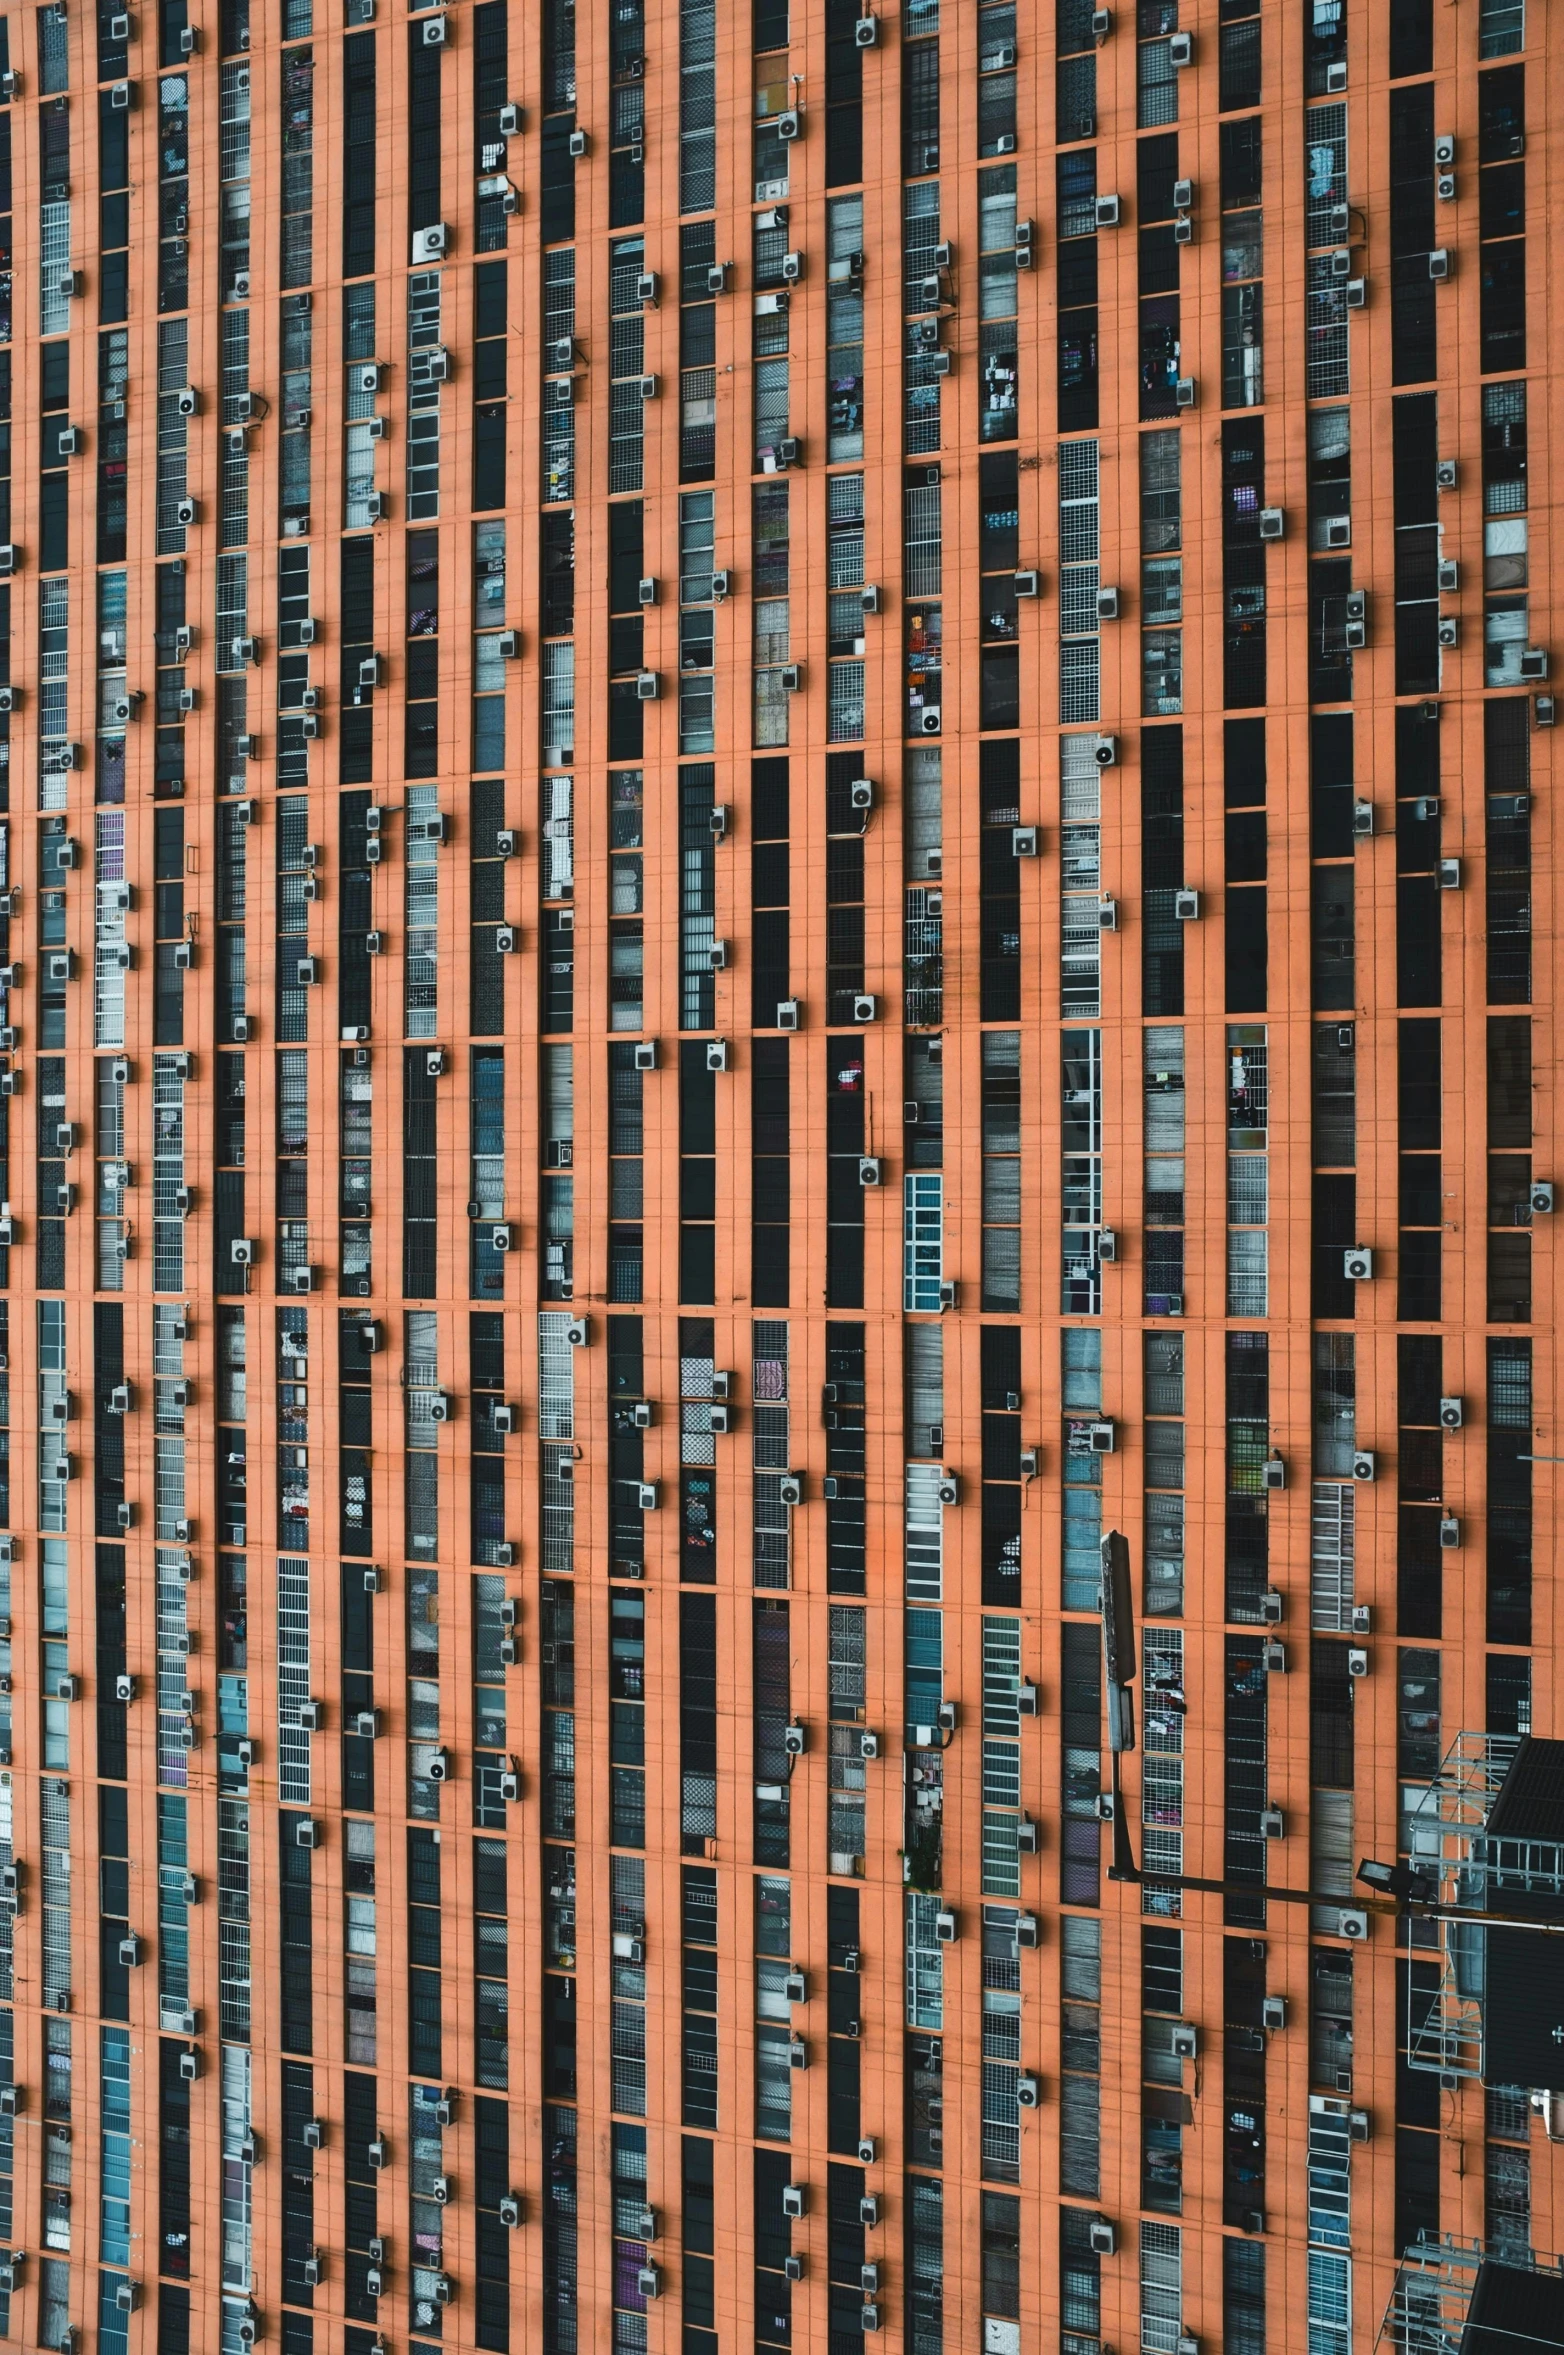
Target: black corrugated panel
<point>1512,2307</point>
<point>1531,1804</point>
<point>1523,2013</point>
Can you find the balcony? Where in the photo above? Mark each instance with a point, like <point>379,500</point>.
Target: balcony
<point>924,960</point>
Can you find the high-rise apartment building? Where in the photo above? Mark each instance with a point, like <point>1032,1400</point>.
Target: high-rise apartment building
<point>607,613</point>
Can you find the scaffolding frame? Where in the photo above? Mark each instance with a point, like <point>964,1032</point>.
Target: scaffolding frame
<point>1434,2286</point>
<point>1451,1846</point>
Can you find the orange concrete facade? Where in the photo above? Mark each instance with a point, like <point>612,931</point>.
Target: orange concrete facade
<point>689,732</point>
